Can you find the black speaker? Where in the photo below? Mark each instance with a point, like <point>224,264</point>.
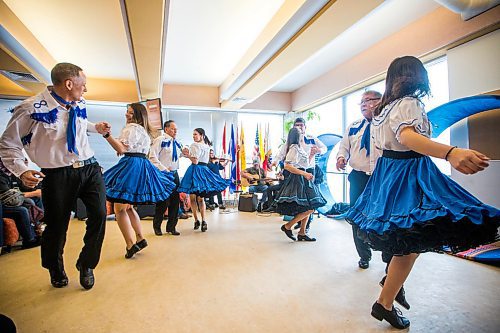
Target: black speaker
<point>248,202</point>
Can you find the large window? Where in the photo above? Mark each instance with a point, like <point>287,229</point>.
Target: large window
<point>212,121</point>
<point>335,116</point>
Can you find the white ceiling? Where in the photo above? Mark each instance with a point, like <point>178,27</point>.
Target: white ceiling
<point>205,40</point>
<point>89,33</point>
<point>385,20</point>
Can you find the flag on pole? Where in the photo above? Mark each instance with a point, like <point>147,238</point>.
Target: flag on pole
<point>243,161</point>
<point>256,150</point>
<point>232,153</point>
<point>224,140</point>
<point>262,153</point>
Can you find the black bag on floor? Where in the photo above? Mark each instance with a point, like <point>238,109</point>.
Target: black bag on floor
<point>248,202</point>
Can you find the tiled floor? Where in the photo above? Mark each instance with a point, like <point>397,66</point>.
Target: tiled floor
<point>243,275</point>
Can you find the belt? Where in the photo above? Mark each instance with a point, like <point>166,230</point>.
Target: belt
<point>81,164</point>
<point>141,155</point>
<point>201,163</point>
<point>401,155</point>
<point>359,171</point>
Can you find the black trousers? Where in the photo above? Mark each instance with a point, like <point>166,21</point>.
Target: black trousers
<point>211,200</point>
<point>60,189</point>
<point>172,203</point>
<point>357,183</point>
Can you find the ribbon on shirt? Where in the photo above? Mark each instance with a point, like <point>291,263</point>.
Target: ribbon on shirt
<point>174,148</point>
<point>71,129</point>
<point>309,141</point>
<point>365,139</point>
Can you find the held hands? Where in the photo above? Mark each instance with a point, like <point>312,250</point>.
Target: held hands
<point>341,163</point>
<point>103,127</point>
<point>315,150</point>
<point>468,161</point>
<point>185,151</point>
<point>31,178</point>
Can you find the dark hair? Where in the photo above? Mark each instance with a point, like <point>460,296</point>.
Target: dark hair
<point>167,123</point>
<point>293,138</point>
<point>406,76</point>
<point>204,136</point>
<point>63,71</point>
<point>141,116</point>
<point>299,120</point>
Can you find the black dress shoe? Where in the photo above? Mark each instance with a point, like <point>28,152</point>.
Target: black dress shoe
<point>288,233</point>
<point>197,225</point>
<point>58,278</point>
<point>173,232</point>
<point>363,263</point>
<point>133,250</point>
<point>157,229</point>
<point>86,276</point>
<point>203,226</point>
<point>393,317</point>
<point>400,297</point>
<point>305,238</point>
<point>32,243</point>
<point>142,244</point>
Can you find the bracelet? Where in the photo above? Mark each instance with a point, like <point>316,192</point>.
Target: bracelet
<point>106,135</point>
<point>448,153</point>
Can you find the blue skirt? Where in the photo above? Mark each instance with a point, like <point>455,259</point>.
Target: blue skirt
<point>409,206</point>
<point>135,180</point>
<point>297,195</point>
<point>202,181</point>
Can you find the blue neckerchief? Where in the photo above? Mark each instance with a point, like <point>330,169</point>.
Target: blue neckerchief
<point>355,130</point>
<point>365,140</point>
<point>309,141</point>
<point>174,148</point>
<point>71,129</point>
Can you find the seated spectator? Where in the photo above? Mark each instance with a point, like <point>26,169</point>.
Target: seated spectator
<point>15,206</point>
<point>21,217</point>
<point>9,182</point>
<point>256,178</point>
<point>216,165</point>
<point>271,191</point>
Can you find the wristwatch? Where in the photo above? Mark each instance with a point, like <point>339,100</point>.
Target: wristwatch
<point>106,135</point>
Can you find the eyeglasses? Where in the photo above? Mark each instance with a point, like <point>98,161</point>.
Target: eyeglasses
<point>365,101</point>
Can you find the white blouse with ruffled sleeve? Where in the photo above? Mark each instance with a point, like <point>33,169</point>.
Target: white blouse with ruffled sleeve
<point>401,113</point>
<point>135,138</point>
<point>200,150</point>
<point>297,157</point>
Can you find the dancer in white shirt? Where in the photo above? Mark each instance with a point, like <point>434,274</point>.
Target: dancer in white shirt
<point>52,128</point>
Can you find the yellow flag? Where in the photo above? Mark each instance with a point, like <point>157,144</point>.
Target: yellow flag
<point>242,156</point>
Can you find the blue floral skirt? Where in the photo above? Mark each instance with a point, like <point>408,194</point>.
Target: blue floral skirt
<point>297,195</point>
<point>202,181</point>
<point>135,180</point>
<point>409,206</point>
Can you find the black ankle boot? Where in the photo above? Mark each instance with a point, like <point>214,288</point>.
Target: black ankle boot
<point>133,250</point>
<point>400,297</point>
<point>288,233</point>
<point>197,225</point>
<point>203,226</point>
<point>393,317</point>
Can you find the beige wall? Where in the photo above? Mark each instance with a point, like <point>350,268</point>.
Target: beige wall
<point>111,90</point>
<point>474,68</point>
<point>190,95</point>
<point>435,31</point>
<point>271,100</point>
